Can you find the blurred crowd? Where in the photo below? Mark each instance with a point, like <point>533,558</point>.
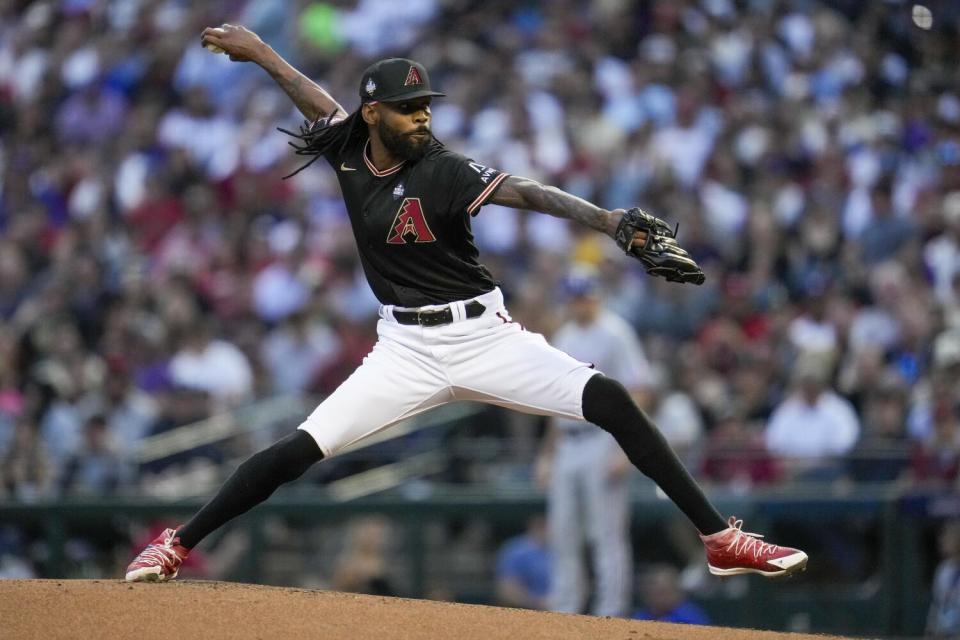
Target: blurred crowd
<point>155,269</point>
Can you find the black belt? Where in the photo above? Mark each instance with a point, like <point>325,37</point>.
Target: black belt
<point>435,317</point>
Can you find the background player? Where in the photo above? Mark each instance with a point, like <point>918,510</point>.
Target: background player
<point>585,470</point>
<point>444,334</point>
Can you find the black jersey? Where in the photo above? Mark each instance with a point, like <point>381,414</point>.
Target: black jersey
<point>412,223</point>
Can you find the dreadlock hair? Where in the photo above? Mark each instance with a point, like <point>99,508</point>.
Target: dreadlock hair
<point>321,136</point>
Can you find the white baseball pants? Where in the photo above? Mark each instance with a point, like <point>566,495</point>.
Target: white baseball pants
<point>412,369</point>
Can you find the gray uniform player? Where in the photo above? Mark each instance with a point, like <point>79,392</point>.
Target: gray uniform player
<point>587,471</point>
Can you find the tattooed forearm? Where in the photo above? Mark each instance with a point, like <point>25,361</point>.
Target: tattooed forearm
<point>524,193</point>
<point>295,89</point>
<point>309,97</point>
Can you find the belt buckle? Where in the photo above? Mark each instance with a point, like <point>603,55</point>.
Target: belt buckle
<point>424,316</point>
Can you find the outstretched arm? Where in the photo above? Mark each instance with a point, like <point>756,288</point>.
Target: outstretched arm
<point>643,236</point>
<point>524,193</point>
<point>244,45</point>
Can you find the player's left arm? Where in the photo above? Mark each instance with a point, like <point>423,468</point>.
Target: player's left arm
<point>524,193</point>
<point>643,236</point>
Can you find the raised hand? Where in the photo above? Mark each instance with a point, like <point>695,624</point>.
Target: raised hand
<point>241,44</point>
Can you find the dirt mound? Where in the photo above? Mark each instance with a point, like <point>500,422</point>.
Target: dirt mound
<point>50,609</point>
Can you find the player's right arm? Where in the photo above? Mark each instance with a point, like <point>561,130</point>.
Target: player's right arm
<point>243,45</point>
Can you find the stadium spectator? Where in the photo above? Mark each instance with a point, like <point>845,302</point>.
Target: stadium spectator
<point>943,620</point>
<point>938,387</point>
<point>96,468</point>
<point>26,471</point>
<point>364,566</point>
<point>664,600</point>
<point>212,365</point>
<point>887,232</point>
<point>942,253</point>
<point>882,454</point>
<point>129,411</point>
<point>522,572</point>
<point>936,460</point>
<point>14,559</point>
<point>814,426</point>
<point>813,331</point>
<point>296,350</point>
<point>736,455</point>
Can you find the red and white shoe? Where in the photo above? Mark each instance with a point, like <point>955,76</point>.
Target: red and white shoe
<point>160,560</point>
<point>733,551</point>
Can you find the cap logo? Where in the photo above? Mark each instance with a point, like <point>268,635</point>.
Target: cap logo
<point>413,77</point>
<point>370,87</point>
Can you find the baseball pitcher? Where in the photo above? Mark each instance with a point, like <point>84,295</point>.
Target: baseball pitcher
<point>444,334</point>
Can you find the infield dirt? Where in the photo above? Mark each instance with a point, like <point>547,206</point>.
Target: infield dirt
<point>53,609</point>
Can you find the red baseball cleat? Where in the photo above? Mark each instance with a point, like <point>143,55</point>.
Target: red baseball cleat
<point>732,551</point>
<point>159,561</point>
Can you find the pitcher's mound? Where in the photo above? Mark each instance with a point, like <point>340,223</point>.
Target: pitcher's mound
<point>48,609</point>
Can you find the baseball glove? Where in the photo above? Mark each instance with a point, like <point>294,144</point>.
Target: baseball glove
<point>660,254</point>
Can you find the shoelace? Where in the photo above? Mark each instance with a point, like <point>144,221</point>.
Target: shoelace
<point>744,542</point>
<point>162,554</point>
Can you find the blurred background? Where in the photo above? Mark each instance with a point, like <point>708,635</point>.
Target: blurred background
<point>169,305</point>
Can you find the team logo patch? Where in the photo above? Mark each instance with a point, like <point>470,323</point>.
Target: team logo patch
<point>398,191</point>
<point>413,77</point>
<point>370,87</point>
<point>408,222</point>
<point>485,172</point>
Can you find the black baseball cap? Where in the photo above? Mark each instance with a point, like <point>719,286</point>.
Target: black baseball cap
<point>395,79</point>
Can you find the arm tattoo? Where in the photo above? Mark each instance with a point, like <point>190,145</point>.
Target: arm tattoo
<point>309,97</point>
<point>294,88</point>
<point>524,193</point>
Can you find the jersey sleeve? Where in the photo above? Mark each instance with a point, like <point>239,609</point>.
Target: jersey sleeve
<point>336,153</point>
<point>471,184</point>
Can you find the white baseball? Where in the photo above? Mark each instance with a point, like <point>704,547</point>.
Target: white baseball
<point>212,47</point>
<point>922,17</point>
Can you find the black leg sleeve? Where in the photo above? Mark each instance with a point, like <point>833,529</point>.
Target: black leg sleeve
<point>607,404</point>
<point>253,482</point>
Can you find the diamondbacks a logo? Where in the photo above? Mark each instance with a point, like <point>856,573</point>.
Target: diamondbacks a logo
<point>413,77</point>
<point>410,222</point>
